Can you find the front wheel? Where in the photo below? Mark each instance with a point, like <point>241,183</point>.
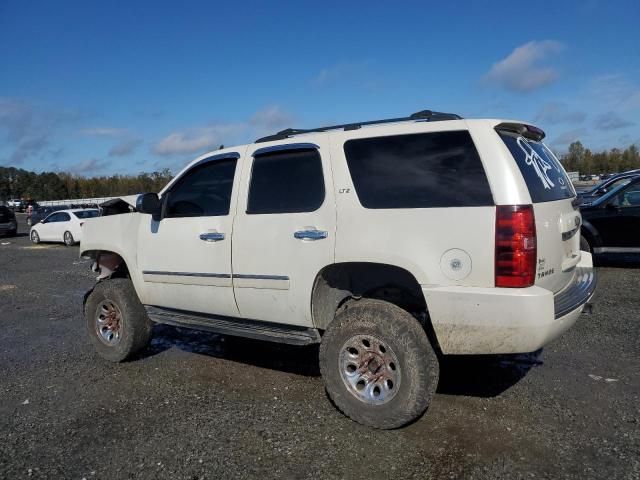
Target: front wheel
<point>378,365</point>
<point>116,321</point>
<point>35,238</point>
<point>584,244</point>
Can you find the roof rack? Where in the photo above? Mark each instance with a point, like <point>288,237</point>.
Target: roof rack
<point>423,115</point>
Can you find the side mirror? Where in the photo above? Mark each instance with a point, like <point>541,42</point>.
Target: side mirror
<point>149,203</point>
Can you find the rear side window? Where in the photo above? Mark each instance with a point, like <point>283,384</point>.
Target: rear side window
<point>542,172</point>
<point>424,170</point>
<point>204,191</point>
<point>86,214</point>
<point>286,182</point>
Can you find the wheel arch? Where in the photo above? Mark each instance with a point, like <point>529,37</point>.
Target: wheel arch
<point>339,283</point>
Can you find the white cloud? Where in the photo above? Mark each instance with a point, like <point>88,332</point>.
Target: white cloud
<point>616,92</point>
<point>523,69</point>
<point>198,139</point>
<point>91,166</point>
<point>340,71</point>
<point>559,112</point>
<point>28,128</point>
<point>105,132</point>
<point>271,118</point>
<point>568,137</point>
<point>611,121</point>
<point>124,147</point>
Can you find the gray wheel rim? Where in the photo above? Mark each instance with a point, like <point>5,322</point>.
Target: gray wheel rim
<point>369,369</point>
<point>68,239</point>
<point>35,238</point>
<point>109,322</point>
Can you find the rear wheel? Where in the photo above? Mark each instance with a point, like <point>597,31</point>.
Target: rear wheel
<point>35,238</point>
<point>116,321</point>
<point>378,365</point>
<point>584,244</point>
<point>68,239</point>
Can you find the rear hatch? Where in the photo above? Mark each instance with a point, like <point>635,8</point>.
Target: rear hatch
<point>557,217</point>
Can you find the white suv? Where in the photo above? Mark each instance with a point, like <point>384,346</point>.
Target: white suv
<point>390,243</point>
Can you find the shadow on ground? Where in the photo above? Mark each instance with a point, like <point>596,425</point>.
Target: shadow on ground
<point>274,356</point>
<point>484,375</point>
<point>470,375</point>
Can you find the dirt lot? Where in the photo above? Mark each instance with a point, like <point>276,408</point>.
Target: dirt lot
<point>203,406</point>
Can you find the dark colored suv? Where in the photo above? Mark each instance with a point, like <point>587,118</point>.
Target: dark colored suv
<point>611,224</point>
<point>8,224</point>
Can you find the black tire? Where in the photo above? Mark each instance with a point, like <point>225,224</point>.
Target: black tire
<point>417,371</point>
<point>68,239</point>
<point>35,238</point>
<point>134,326</point>
<point>584,244</point>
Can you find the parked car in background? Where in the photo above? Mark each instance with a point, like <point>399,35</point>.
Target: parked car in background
<point>40,213</point>
<point>611,224</point>
<point>62,226</point>
<point>15,204</point>
<point>588,196</point>
<point>8,224</point>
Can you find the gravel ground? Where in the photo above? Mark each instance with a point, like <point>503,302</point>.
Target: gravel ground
<point>198,405</point>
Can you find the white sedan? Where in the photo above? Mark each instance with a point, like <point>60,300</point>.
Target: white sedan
<point>62,226</point>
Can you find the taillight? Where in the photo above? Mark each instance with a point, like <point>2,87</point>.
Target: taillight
<point>515,246</point>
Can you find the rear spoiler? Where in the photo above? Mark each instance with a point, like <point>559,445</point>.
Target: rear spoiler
<point>527,131</point>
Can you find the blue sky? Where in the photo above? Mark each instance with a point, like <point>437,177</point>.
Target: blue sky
<point>123,86</point>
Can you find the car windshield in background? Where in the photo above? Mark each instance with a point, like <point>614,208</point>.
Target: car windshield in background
<point>545,177</point>
<point>86,213</point>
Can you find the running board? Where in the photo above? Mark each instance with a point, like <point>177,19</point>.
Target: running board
<point>241,327</point>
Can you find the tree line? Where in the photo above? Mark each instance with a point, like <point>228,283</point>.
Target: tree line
<point>19,183</point>
<point>581,159</point>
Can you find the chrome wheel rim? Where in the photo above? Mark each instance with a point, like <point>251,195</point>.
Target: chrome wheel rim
<point>369,369</point>
<point>108,322</point>
<point>34,237</point>
<point>68,239</point>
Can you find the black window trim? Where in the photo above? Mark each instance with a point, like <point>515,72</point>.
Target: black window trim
<point>355,190</point>
<point>174,184</point>
<point>284,148</point>
<point>212,158</point>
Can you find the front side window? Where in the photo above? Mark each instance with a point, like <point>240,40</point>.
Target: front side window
<point>628,197</point>
<point>426,170</point>
<point>204,191</point>
<point>286,182</point>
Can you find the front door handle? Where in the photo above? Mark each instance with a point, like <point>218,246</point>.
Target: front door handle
<point>212,236</point>
<point>310,234</point>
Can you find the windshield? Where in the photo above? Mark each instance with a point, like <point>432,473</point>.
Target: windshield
<point>86,213</point>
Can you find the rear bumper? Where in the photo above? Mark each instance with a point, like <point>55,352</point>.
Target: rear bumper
<point>474,320</point>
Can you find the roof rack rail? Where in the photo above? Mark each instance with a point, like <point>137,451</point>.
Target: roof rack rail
<point>423,115</point>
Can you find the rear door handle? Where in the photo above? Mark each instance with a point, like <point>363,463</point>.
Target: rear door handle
<point>310,234</point>
<point>212,236</point>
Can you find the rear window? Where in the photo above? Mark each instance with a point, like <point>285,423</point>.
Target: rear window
<point>424,170</point>
<point>86,214</point>
<point>542,172</point>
